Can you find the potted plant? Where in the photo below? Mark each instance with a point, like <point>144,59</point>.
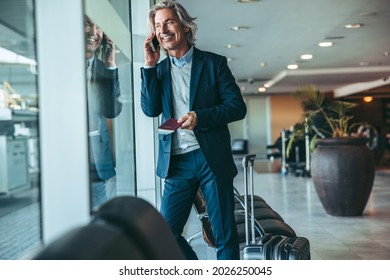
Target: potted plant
<point>342,166</point>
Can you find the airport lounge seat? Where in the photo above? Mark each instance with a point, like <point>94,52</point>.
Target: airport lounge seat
<point>240,146</point>
<point>124,228</point>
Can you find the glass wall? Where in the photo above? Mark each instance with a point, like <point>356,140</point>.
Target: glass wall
<point>75,131</point>
<point>20,227</point>
<point>109,99</point>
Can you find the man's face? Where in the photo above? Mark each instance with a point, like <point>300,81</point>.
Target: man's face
<point>93,36</point>
<point>170,32</point>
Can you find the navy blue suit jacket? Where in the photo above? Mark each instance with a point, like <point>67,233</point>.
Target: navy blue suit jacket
<point>106,98</point>
<point>214,96</point>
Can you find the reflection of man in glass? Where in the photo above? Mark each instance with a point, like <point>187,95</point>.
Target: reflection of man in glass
<point>103,103</point>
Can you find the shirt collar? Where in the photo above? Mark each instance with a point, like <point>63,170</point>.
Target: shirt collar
<point>90,61</point>
<point>187,58</point>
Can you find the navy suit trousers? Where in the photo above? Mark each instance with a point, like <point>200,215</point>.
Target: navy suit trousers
<point>188,172</point>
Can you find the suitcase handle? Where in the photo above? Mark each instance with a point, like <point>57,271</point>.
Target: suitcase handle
<point>248,160</point>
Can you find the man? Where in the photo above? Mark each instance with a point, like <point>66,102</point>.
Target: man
<point>103,104</point>
<point>198,89</point>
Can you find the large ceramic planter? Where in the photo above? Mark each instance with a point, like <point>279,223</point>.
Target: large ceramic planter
<point>343,173</point>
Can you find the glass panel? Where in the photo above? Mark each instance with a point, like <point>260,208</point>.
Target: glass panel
<point>110,108</point>
<point>20,228</point>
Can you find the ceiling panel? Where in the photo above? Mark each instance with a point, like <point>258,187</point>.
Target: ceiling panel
<point>279,31</point>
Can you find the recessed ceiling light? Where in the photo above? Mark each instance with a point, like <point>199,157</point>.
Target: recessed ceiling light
<point>334,38</point>
<point>368,14</point>
<point>263,64</point>
<point>353,25</point>
<point>292,66</point>
<point>239,28</point>
<point>325,44</point>
<point>306,56</point>
<point>261,89</point>
<point>247,1</point>
<point>232,46</point>
<point>266,85</point>
<point>229,59</point>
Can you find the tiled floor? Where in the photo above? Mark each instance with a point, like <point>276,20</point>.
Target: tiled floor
<point>19,232</point>
<point>331,238</point>
<point>294,198</point>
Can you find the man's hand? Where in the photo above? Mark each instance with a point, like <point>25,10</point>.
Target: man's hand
<point>109,56</point>
<point>151,57</point>
<point>188,121</point>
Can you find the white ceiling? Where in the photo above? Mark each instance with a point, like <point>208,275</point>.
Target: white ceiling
<point>280,31</point>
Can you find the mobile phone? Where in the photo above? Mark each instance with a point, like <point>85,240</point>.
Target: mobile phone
<point>105,46</point>
<point>154,44</point>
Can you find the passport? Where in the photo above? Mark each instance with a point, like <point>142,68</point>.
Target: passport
<point>169,126</point>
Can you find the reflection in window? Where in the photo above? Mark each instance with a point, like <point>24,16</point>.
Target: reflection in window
<point>19,155</point>
<point>118,112</point>
<point>104,104</point>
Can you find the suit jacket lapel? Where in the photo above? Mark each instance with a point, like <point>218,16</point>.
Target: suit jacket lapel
<point>197,65</point>
<point>166,78</point>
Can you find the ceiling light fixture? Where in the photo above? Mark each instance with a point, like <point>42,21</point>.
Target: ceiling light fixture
<point>7,56</point>
<point>367,99</point>
<point>263,64</point>
<point>247,1</point>
<point>267,85</point>
<point>239,28</point>
<point>306,56</point>
<point>328,38</point>
<point>353,25</point>
<point>325,44</point>
<point>292,66</point>
<point>261,89</point>
<point>232,46</point>
<point>368,14</point>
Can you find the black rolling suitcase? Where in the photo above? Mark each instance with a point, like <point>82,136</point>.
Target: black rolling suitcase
<point>267,246</point>
<point>266,219</point>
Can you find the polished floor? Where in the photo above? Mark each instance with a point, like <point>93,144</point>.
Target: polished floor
<point>331,238</point>
<point>294,198</point>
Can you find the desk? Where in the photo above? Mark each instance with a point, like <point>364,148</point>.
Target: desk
<point>15,152</point>
<point>13,164</point>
